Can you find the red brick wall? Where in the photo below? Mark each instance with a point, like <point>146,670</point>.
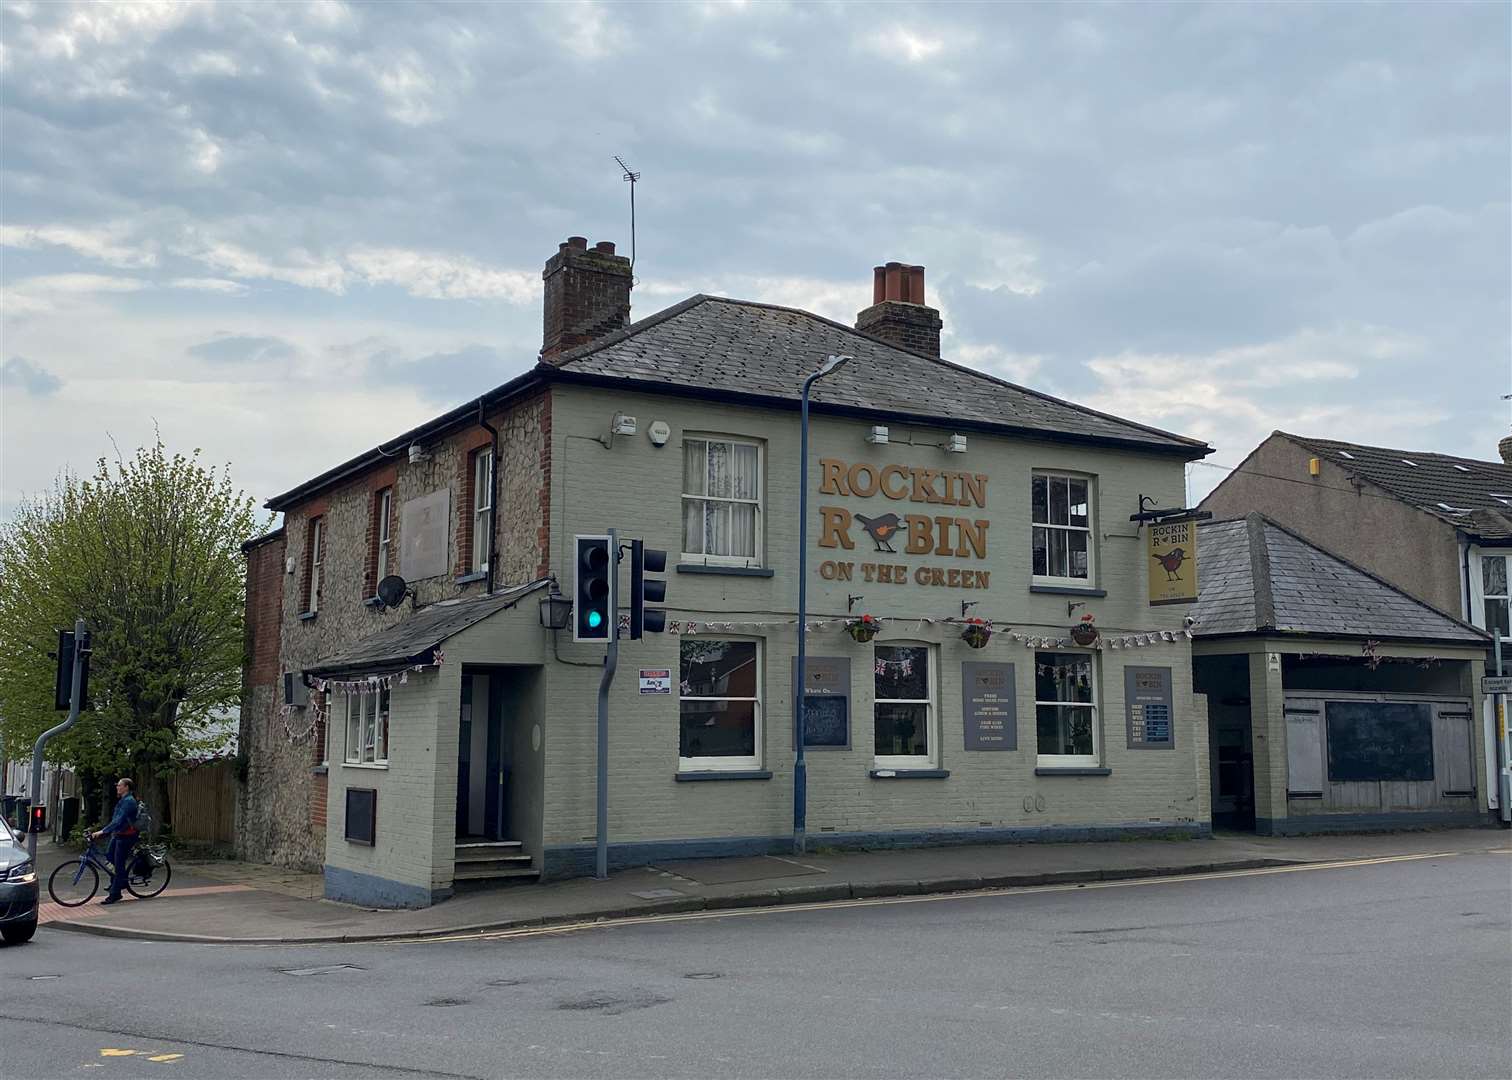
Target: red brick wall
<point>265,570</point>
<point>318,785</point>
<point>377,482</point>
<point>469,443</point>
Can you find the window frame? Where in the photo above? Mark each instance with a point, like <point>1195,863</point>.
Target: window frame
<point>931,702</point>
<point>482,493</point>
<point>369,712</point>
<point>315,553</point>
<point>1090,529</point>
<point>384,535</point>
<point>1073,761</point>
<point>726,764</point>
<point>758,556</point>
<point>1479,596</point>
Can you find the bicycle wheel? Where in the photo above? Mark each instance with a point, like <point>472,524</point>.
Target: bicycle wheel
<point>147,878</point>
<point>73,883</point>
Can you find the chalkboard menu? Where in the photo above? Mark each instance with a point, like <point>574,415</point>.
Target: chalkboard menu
<point>826,702</point>
<point>1147,708</point>
<point>1379,740</point>
<point>989,706</point>
<point>361,815</point>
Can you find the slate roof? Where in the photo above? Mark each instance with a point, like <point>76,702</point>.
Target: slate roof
<point>415,639</point>
<point>738,347</point>
<point>1257,577</point>
<point>1461,491</point>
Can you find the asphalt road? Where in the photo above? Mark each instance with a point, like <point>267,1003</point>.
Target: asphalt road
<point>1399,968</point>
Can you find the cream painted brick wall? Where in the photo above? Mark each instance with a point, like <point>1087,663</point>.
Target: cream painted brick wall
<point>635,487</point>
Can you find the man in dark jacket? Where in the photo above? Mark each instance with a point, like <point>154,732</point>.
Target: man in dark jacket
<point>122,831</point>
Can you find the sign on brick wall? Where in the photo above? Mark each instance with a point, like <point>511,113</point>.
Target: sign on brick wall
<point>423,533</point>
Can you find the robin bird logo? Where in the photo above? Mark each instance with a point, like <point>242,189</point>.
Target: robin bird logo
<point>1171,562</point>
<point>882,529</point>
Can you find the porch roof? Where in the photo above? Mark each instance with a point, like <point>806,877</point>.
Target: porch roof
<point>415,640</point>
<point>1256,577</point>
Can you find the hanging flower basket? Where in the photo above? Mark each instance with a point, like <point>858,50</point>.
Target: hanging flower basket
<point>1085,632</point>
<point>863,628</point>
<point>977,633</point>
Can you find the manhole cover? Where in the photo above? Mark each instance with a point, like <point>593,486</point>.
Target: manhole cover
<point>325,969</point>
<point>704,975</point>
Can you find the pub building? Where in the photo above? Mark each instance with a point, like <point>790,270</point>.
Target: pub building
<point>991,653</point>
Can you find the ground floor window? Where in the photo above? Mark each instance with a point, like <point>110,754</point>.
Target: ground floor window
<point>1065,708</point>
<point>367,724</point>
<point>903,707</point>
<point>719,704</point>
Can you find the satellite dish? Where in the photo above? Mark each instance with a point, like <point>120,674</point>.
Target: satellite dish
<point>392,590</point>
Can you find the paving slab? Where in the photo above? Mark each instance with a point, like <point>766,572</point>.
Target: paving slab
<point>261,914</point>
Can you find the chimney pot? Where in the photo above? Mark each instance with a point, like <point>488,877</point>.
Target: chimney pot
<point>587,296</point>
<point>898,314</point>
<point>1505,448</point>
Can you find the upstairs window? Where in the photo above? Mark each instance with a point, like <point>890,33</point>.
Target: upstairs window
<point>1061,517</point>
<point>384,507</point>
<point>721,501</point>
<point>483,510</point>
<point>1494,594</point>
<point>314,556</point>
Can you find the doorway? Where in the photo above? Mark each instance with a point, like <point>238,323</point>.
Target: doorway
<point>482,810</point>
<point>1225,681</point>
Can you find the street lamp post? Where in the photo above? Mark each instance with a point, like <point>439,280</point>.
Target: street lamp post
<point>800,765</point>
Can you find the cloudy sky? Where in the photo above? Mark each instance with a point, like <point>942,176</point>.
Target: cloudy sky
<point>282,233</point>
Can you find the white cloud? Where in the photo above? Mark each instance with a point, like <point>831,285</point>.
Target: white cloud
<point>107,243</point>
<point>204,153</point>
<point>899,42</point>
<point>211,285</point>
<point>438,276</point>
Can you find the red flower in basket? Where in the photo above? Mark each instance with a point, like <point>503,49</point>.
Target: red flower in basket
<point>977,633</point>
<point>1085,632</point>
<point>863,628</point>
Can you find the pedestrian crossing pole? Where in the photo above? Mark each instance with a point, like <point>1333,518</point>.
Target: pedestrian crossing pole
<point>1503,751</point>
<point>75,703</point>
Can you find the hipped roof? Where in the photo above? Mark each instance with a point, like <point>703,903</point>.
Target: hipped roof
<point>1256,576</point>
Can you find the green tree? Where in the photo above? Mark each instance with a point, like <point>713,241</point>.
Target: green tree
<point>148,552</point>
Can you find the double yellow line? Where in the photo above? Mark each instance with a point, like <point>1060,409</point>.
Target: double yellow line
<point>830,905</point>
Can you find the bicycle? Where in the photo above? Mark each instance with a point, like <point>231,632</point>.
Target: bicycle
<point>74,883</point>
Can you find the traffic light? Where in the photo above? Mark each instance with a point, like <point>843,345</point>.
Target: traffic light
<point>643,561</point>
<point>63,679</point>
<point>39,818</point>
<point>595,581</point>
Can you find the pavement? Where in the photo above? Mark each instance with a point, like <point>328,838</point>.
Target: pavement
<point>223,902</point>
<point>1385,968</point>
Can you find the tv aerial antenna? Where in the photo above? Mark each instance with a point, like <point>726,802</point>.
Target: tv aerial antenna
<point>630,178</point>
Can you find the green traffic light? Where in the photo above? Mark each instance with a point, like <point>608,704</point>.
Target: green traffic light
<point>595,619</point>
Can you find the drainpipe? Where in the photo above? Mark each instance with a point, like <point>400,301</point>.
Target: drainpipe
<point>493,481</point>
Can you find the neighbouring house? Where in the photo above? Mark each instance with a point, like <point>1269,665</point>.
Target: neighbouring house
<point>408,748</point>
<point>1435,526</point>
<point>1335,700</point>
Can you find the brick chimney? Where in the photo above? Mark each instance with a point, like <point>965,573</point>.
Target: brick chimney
<point>898,314</point>
<point>587,295</point>
<point>1505,448</point>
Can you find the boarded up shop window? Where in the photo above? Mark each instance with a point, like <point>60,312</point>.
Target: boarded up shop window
<point>1379,740</point>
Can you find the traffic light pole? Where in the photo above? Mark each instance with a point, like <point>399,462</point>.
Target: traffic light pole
<point>611,661</point>
<point>74,704</point>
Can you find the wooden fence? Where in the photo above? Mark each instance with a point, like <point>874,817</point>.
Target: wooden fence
<point>204,803</point>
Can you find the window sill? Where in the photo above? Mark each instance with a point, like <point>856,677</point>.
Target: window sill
<point>379,765</point>
<point>468,579</point>
<point>731,571</point>
<point>1071,770</point>
<point>320,770</point>
<point>909,774</point>
<point>1065,590</point>
<point>306,616</point>
<point>722,774</point>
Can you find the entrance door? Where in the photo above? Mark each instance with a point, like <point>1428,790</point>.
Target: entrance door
<point>482,811</point>
<point>1233,767</point>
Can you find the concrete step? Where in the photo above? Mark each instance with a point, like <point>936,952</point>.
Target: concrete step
<point>491,853</point>
<point>507,862</point>
<point>485,872</point>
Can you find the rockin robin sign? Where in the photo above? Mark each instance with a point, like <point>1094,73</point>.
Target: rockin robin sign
<point>1173,562</point>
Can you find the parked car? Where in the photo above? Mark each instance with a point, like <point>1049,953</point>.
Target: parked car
<point>18,888</point>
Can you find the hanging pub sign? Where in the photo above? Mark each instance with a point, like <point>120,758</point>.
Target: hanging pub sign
<point>1173,562</point>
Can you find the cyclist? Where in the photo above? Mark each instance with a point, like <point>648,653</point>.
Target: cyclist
<point>122,831</point>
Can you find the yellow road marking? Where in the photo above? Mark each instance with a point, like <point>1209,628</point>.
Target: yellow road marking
<point>120,1053</point>
<point>165,1057</point>
<point>693,916</point>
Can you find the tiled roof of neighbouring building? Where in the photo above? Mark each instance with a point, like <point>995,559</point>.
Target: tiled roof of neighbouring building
<point>1257,577</point>
<point>1472,495</point>
<point>737,347</point>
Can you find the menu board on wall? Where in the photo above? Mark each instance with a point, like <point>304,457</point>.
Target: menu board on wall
<point>989,706</point>
<point>826,702</point>
<point>1147,708</point>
